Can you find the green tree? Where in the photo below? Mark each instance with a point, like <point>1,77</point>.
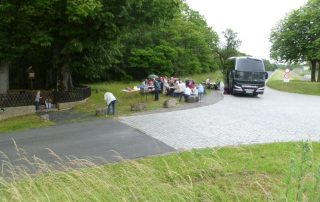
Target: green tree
<point>15,31</point>
<point>181,45</point>
<point>137,39</point>
<point>269,66</point>
<point>296,38</point>
<point>68,40</point>
<point>229,48</point>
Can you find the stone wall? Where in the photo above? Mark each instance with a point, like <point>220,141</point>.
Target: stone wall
<point>69,105</point>
<point>10,112</point>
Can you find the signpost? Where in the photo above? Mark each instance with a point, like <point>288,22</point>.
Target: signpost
<point>286,78</point>
<point>31,76</point>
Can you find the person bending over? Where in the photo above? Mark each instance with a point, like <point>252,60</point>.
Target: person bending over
<point>110,100</point>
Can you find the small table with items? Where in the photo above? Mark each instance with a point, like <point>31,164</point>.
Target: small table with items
<point>145,91</point>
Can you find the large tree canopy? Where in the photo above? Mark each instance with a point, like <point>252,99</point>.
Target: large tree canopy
<point>89,40</point>
<point>59,34</point>
<point>297,37</point>
<point>182,45</point>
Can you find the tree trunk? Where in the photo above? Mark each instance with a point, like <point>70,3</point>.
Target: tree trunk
<point>49,78</point>
<point>313,70</point>
<point>55,65</point>
<point>4,77</point>
<point>65,77</point>
<point>61,65</point>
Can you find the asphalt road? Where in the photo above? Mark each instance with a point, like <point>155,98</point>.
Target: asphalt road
<point>99,141</point>
<point>89,141</point>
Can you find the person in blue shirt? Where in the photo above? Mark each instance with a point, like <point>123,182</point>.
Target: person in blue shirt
<point>200,91</point>
<point>157,88</point>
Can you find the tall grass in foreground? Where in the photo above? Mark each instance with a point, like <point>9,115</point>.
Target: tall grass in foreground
<point>280,172</point>
<point>303,176</point>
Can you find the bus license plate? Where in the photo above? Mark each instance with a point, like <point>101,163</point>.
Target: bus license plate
<point>249,91</point>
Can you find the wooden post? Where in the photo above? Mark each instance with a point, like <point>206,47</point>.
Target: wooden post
<point>4,77</point>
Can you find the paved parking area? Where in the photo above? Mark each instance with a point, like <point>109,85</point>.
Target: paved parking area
<point>273,117</point>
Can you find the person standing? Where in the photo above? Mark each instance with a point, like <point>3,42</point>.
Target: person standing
<point>37,100</point>
<point>110,100</point>
<point>157,88</point>
<point>166,86</point>
<point>200,91</point>
<point>48,104</point>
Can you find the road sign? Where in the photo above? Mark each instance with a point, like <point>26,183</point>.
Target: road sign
<point>286,78</point>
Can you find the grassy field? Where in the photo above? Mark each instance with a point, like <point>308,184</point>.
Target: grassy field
<point>294,86</point>
<point>22,123</point>
<point>273,172</point>
<point>124,101</point>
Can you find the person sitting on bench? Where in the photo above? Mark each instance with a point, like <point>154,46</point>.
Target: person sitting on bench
<point>185,94</point>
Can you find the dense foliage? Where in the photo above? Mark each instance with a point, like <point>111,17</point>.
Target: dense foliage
<point>229,48</point>
<point>87,40</point>
<point>270,66</point>
<point>297,37</point>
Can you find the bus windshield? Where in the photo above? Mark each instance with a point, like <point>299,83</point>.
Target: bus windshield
<point>249,76</point>
<point>249,65</point>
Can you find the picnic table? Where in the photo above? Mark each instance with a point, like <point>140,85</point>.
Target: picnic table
<point>143,91</point>
<point>129,93</point>
<point>146,92</point>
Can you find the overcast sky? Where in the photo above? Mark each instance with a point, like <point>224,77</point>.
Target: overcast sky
<point>251,19</point>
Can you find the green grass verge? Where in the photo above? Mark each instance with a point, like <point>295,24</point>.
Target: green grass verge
<point>273,172</point>
<point>294,86</point>
<point>22,123</point>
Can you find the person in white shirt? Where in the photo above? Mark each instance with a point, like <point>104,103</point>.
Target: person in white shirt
<point>37,100</point>
<point>178,91</point>
<point>186,94</point>
<point>195,91</point>
<point>165,85</point>
<point>47,102</point>
<point>110,102</point>
<point>183,86</point>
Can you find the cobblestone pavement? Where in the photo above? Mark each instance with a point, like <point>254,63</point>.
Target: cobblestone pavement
<point>272,117</point>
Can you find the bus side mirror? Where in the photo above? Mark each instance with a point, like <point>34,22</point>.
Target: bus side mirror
<point>266,75</point>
